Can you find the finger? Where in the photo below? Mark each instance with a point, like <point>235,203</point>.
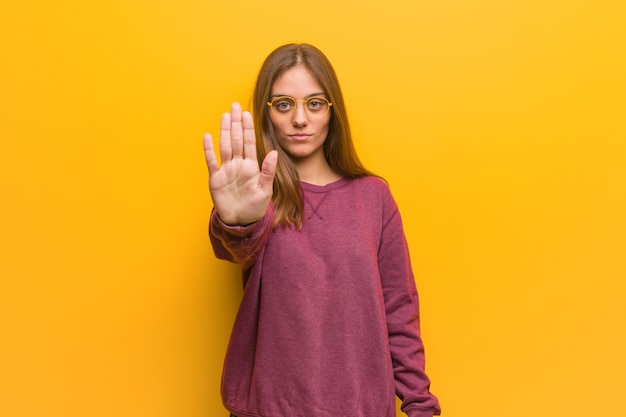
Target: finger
<point>249,140</point>
<point>268,170</point>
<point>226,151</point>
<point>236,130</point>
<point>209,154</point>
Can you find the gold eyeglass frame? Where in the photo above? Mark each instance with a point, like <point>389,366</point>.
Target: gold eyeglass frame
<point>271,105</point>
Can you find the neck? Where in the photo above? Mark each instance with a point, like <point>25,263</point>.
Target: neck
<point>316,173</point>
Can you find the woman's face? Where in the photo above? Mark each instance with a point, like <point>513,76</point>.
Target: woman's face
<point>302,131</point>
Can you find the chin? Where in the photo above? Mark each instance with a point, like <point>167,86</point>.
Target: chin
<point>300,152</point>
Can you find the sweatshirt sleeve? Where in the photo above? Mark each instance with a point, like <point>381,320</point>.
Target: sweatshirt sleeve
<point>403,321</point>
<point>240,244</point>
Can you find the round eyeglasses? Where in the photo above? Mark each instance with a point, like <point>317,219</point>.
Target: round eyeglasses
<point>285,105</point>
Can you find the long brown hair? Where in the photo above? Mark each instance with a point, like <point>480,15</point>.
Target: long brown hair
<point>338,147</point>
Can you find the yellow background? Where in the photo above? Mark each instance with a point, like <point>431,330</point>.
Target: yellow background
<point>500,126</point>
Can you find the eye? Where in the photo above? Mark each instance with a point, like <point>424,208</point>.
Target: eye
<point>283,104</point>
<point>316,104</point>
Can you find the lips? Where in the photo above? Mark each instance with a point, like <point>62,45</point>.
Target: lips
<point>300,136</point>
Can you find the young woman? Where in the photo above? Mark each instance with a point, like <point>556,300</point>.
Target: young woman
<point>328,325</point>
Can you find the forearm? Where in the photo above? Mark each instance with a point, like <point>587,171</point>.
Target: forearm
<point>407,352</point>
<point>240,244</point>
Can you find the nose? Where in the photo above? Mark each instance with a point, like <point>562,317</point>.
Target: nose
<point>300,116</point>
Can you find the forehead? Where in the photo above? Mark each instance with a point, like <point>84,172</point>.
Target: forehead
<point>297,82</point>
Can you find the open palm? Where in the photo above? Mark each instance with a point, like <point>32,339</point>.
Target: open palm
<point>241,192</point>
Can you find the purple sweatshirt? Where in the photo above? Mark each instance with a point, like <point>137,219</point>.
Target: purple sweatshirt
<point>328,325</point>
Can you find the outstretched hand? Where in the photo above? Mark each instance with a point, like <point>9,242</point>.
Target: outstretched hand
<point>241,192</point>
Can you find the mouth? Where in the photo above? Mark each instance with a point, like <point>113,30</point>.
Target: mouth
<point>300,136</point>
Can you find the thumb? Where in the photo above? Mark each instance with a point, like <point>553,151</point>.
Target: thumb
<point>268,170</point>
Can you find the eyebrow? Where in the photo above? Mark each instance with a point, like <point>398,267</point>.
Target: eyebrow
<point>309,96</point>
